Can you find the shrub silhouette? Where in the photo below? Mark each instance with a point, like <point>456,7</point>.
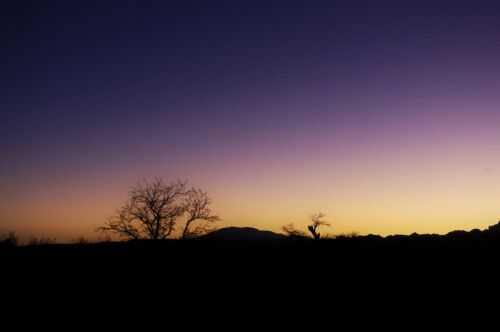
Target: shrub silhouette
<point>316,222</point>
<point>292,232</point>
<point>11,240</point>
<point>81,240</point>
<point>41,241</point>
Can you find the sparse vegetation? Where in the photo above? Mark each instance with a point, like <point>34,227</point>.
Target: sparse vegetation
<point>41,241</point>
<point>10,240</point>
<point>351,235</point>
<point>316,222</point>
<point>291,231</point>
<point>81,240</point>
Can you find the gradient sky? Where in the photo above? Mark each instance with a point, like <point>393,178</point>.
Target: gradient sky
<point>384,115</point>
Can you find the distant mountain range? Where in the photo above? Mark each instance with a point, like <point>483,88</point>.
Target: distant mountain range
<point>254,234</point>
<point>243,234</point>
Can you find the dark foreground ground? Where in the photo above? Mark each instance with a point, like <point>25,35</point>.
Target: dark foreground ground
<point>259,278</point>
<point>217,259</point>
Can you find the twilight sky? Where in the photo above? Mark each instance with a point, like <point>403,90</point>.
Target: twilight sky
<point>385,115</point>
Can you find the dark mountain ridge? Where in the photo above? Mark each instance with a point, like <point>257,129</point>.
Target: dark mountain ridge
<point>242,234</point>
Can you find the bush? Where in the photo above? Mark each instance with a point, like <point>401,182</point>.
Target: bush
<point>11,240</point>
<point>34,241</point>
<point>81,240</point>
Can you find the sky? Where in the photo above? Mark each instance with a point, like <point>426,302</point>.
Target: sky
<point>384,115</point>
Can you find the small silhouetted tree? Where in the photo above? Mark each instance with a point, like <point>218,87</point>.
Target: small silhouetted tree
<point>200,218</point>
<point>316,222</point>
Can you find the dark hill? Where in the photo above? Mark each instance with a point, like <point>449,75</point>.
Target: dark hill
<point>243,234</point>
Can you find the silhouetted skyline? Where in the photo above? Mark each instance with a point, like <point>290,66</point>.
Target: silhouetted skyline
<point>382,114</point>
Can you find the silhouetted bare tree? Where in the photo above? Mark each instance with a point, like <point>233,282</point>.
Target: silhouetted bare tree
<point>317,221</point>
<point>151,211</point>
<point>155,208</point>
<point>199,215</point>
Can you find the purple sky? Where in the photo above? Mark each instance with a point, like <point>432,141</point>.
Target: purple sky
<point>264,105</point>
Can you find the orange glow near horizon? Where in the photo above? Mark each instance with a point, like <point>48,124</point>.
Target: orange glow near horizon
<point>429,185</point>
